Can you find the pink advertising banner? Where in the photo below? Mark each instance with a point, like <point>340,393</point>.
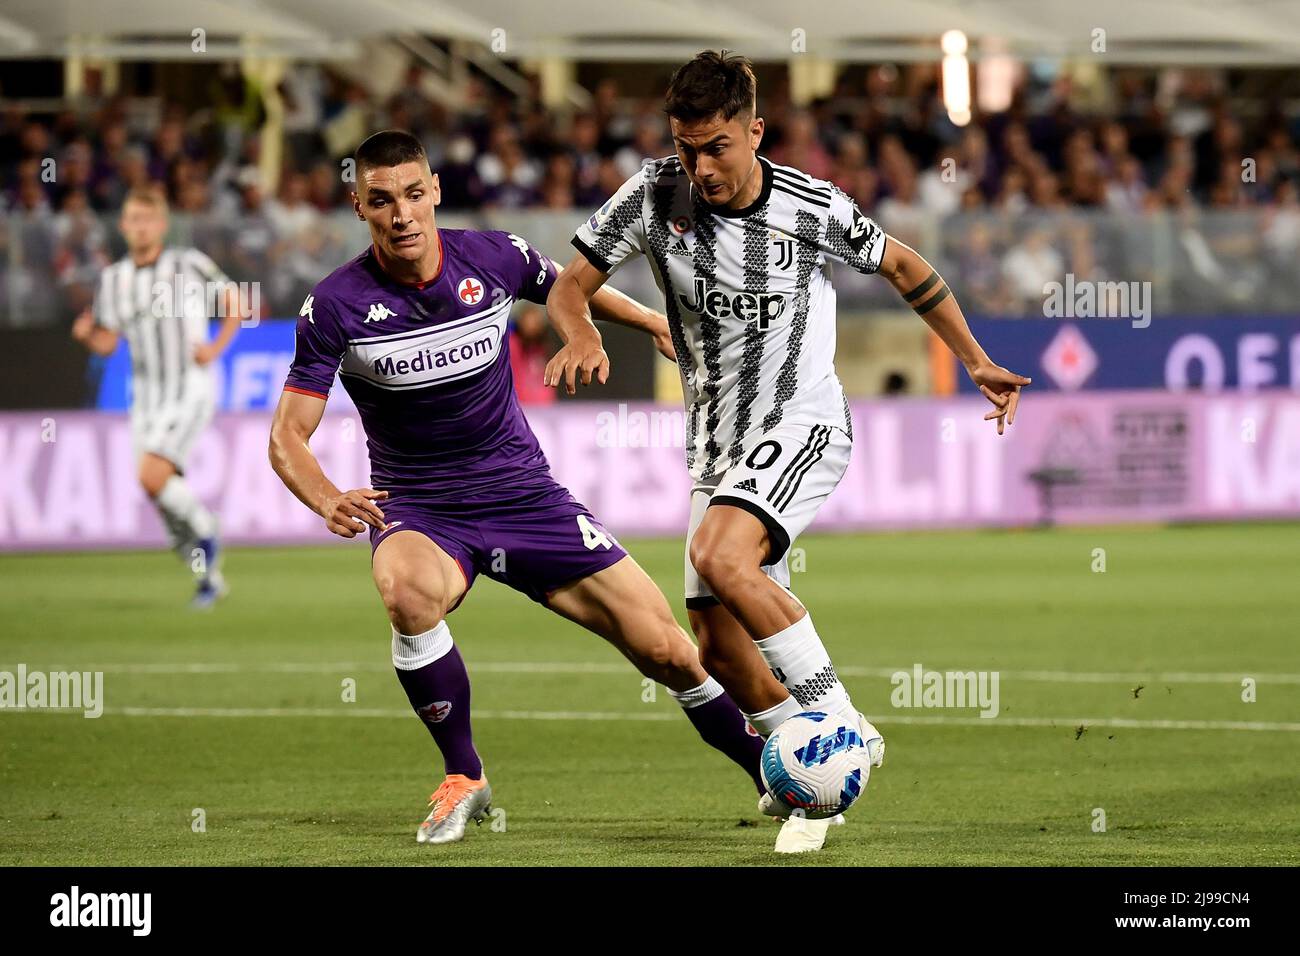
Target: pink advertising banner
<point>67,479</point>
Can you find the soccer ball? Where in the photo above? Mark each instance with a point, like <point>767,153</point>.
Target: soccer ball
<point>816,764</point>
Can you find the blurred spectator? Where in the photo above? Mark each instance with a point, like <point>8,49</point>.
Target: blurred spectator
<point>530,350</point>
<point>610,179</point>
<point>558,183</point>
<point>801,148</point>
<point>1012,197</point>
<point>615,124</point>
<point>29,302</point>
<point>297,226</point>
<point>1028,267</point>
<point>977,161</point>
<point>898,173</point>
<point>650,141</point>
<point>1127,190</point>
<point>941,186</point>
<point>981,273</point>
<point>302,90</point>
<point>1281,238</point>
<point>510,179</point>
<point>291,214</point>
<point>252,234</point>
<point>852,174</point>
<point>584,140</point>
<point>461,188</point>
<point>237,109</point>
<point>79,254</point>
<point>325,187</point>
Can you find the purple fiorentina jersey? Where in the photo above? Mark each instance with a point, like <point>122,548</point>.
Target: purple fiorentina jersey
<point>428,367</point>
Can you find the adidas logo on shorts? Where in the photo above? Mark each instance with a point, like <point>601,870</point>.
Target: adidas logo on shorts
<point>749,484</point>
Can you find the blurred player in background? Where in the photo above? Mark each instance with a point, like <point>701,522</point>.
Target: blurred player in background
<point>741,248</point>
<point>160,298</point>
<point>416,328</point>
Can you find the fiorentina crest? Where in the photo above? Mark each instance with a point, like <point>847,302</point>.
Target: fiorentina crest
<point>436,712</point>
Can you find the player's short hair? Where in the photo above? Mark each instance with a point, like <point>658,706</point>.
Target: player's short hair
<point>712,83</point>
<point>389,147</point>
<point>147,194</point>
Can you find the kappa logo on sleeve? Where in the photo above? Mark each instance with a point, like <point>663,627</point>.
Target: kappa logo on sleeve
<point>378,312</point>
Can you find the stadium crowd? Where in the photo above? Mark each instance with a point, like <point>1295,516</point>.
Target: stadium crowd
<point>883,137</point>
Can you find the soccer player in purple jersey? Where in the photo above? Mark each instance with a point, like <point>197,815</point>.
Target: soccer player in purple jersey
<point>415,326</point>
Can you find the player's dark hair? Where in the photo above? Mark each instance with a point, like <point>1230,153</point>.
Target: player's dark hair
<point>712,83</point>
<point>390,147</point>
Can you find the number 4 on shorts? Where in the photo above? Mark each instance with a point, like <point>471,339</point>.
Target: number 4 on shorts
<point>592,536</point>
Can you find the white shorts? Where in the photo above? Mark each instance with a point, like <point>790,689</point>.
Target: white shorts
<point>170,432</point>
<point>781,481</point>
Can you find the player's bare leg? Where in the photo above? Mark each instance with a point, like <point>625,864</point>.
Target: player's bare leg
<point>419,584</point>
<point>728,653</point>
<point>728,550</point>
<point>191,528</point>
<point>623,605</point>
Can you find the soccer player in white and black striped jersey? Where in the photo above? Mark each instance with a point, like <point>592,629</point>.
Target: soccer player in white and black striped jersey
<point>160,298</point>
<point>741,248</point>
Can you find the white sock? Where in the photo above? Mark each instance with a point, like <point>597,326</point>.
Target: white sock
<point>186,519</point>
<point>766,721</point>
<point>800,662</point>
<point>413,651</point>
<point>696,696</point>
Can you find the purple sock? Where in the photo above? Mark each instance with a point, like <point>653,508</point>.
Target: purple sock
<point>439,692</point>
<point>723,727</point>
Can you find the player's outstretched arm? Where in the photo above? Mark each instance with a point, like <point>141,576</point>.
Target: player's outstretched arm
<point>924,290</point>
<point>345,512</point>
<point>577,295</point>
<point>610,305</point>
<point>93,336</point>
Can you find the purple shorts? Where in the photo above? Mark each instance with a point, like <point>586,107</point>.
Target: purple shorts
<point>536,541</point>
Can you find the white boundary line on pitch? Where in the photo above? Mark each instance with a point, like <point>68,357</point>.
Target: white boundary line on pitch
<point>619,667</point>
<point>606,715</point>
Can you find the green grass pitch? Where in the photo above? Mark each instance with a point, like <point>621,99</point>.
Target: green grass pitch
<point>240,712</point>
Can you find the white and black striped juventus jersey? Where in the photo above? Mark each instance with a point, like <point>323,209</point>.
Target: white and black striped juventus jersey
<point>163,310</point>
<point>747,294</point>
